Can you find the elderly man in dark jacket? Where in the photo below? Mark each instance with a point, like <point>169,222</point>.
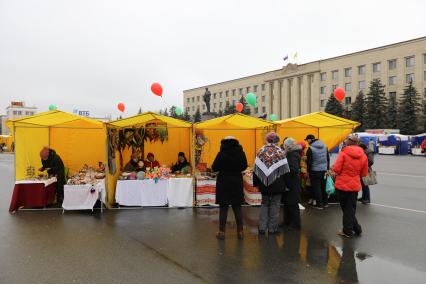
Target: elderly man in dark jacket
<point>318,161</point>
<point>55,167</point>
<point>365,198</point>
<point>230,162</point>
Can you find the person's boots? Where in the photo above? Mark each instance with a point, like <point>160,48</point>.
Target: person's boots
<point>240,232</point>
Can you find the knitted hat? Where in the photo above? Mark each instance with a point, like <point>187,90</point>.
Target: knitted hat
<point>272,137</point>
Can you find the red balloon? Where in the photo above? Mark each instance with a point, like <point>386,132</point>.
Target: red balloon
<point>121,107</point>
<point>239,107</point>
<point>157,89</point>
<point>339,94</point>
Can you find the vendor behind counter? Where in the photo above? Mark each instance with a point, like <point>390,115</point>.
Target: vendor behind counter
<point>182,165</point>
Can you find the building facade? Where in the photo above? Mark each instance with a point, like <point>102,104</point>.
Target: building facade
<point>13,111</point>
<point>300,89</point>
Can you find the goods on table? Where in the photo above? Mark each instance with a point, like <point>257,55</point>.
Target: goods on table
<point>87,175</point>
<point>154,173</point>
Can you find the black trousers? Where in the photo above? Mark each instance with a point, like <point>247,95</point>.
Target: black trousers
<point>292,216</point>
<point>223,216</point>
<point>318,187</point>
<point>348,201</point>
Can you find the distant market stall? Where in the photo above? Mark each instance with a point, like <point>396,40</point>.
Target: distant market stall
<point>78,140</point>
<point>249,131</point>
<point>7,142</point>
<point>393,144</point>
<point>416,144</point>
<point>331,129</point>
<point>139,135</point>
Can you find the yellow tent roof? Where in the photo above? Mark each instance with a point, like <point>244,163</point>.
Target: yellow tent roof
<point>319,120</point>
<point>55,118</point>
<point>236,120</point>
<point>147,117</point>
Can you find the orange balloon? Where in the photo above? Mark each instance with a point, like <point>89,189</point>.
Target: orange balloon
<point>239,107</point>
<point>157,89</point>
<point>121,107</point>
<point>339,94</point>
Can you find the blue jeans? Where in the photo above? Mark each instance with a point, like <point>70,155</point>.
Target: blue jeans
<point>365,192</point>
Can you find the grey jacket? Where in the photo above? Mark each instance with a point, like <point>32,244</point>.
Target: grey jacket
<point>318,159</point>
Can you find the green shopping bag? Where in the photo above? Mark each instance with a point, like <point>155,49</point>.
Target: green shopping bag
<point>329,185</point>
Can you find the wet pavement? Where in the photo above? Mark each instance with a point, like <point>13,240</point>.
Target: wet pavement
<point>173,245</point>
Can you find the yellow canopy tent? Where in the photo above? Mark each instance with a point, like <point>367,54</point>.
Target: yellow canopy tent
<point>249,131</point>
<point>78,140</point>
<point>331,129</point>
<point>7,140</point>
<point>179,139</point>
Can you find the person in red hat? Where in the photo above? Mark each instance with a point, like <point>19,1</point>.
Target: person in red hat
<point>150,162</point>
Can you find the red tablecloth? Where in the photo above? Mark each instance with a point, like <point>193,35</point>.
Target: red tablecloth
<point>32,195</point>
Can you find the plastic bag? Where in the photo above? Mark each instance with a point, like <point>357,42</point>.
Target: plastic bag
<point>329,186</point>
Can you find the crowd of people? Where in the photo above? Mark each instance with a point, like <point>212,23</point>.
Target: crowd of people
<point>283,173</point>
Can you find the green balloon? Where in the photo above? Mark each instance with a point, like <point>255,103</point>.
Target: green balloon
<point>273,117</point>
<point>53,107</point>
<point>251,99</point>
<point>178,111</point>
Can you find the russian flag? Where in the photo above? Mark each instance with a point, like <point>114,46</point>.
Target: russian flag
<point>285,57</point>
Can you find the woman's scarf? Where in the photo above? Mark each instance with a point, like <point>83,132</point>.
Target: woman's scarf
<point>270,164</point>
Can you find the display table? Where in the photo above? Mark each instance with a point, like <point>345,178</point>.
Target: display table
<point>80,197</point>
<point>33,193</point>
<point>387,150</point>
<point>180,192</point>
<point>417,151</point>
<point>141,192</point>
<point>205,192</point>
<point>176,192</point>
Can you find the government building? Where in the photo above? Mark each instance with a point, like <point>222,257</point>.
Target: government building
<point>300,89</point>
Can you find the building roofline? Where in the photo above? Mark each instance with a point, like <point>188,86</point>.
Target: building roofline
<point>319,60</point>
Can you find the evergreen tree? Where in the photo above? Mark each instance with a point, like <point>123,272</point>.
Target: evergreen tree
<point>409,110</point>
<point>376,106</point>
<point>186,116</point>
<point>358,110</point>
<point>173,112</point>
<point>160,112</point>
<point>392,113</point>
<point>166,113</point>
<point>220,113</point>
<point>140,111</point>
<point>229,109</point>
<point>246,107</point>
<point>334,107</point>
<point>197,116</point>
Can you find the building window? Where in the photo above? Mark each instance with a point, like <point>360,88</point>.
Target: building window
<point>361,70</point>
<point>392,94</point>
<point>333,87</point>
<point>233,102</point>
<point>226,93</point>
<point>322,90</point>
<point>409,61</point>
<point>335,75</point>
<point>248,90</point>
<point>193,108</point>
<point>348,72</point>
<point>220,104</point>
<point>240,91</point>
<point>204,107</point>
<point>392,64</point>
<point>19,112</point>
<point>220,95</point>
<point>323,103</point>
<point>263,99</point>
<point>214,106</point>
<point>263,109</point>
<point>376,67</point>
<point>424,75</point>
<point>409,78</point>
<point>348,100</point>
<point>233,92</point>
<point>255,88</point>
<point>348,87</point>
<point>198,98</point>
<point>392,80</point>
<point>187,100</point>
<point>323,76</point>
<point>193,99</point>
<point>263,87</point>
<point>188,109</point>
<point>424,58</point>
<point>256,110</point>
<point>14,112</point>
<point>361,85</point>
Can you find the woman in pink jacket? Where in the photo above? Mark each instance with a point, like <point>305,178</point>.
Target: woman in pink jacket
<point>350,166</point>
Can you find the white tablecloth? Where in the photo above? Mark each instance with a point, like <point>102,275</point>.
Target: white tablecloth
<point>417,151</point>
<point>79,197</point>
<point>387,150</point>
<point>141,192</point>
<point>180,192</point>
<point>46,182</point>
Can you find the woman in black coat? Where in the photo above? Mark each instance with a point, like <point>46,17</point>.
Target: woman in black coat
<point>230,162</point>
<point>292,181</point>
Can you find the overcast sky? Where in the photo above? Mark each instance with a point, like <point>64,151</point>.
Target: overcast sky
<point>93,54</point>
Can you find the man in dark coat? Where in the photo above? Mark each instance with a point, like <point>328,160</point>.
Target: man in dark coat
<point>365,198</point>
<point>292,182</point>
<point>55,167</point>
<point>318,161</point>
<point>230,162</point>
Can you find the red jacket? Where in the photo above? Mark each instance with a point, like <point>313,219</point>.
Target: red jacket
<point>424,144</point>
<point>350,166</point>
